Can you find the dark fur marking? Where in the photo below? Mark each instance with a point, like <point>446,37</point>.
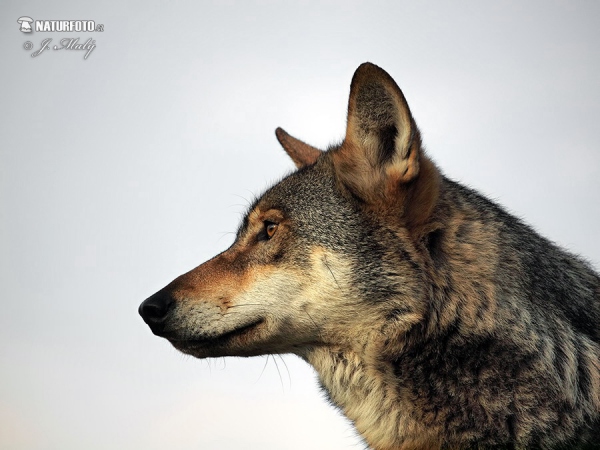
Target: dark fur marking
<point>387,144</point>
<point>433,242</point>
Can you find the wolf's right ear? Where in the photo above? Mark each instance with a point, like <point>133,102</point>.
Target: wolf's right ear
<point>301,153</point>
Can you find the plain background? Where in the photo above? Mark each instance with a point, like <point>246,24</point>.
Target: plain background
<point>122,171</point>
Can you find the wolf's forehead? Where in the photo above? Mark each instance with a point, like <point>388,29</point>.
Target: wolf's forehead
<point>302,197</point>
<point>315,208</point>
<point>308,191</point>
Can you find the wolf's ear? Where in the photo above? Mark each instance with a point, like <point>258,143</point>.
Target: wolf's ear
<point>381,160</point>
<point>302,154</point>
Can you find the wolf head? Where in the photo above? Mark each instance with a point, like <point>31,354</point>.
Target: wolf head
<point>336,245</point>
<point>433,318</point>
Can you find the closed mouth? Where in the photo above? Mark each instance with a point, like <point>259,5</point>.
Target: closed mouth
<point>215,340</point>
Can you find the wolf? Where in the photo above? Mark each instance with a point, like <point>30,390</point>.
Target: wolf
<point>434,318</point>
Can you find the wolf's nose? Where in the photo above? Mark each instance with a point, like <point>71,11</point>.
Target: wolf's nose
<point>154,310</point>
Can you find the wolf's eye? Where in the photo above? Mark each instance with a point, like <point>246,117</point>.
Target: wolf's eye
<point>270,229</point>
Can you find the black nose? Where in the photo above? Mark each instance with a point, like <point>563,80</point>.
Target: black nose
<point>155,309</point>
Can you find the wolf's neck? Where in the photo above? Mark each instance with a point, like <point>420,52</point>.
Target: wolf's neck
<point>368,394</point>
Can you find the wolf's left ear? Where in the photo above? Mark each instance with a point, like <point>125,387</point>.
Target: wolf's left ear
<point>381,160</point>
<point>302,154</point>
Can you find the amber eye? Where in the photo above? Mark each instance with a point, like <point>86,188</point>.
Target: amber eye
<point>270,229</point>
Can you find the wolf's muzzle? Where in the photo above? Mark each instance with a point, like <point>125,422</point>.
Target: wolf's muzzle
<point>155,309</point>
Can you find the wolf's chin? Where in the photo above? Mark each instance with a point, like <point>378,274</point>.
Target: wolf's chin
<point>215,346</point>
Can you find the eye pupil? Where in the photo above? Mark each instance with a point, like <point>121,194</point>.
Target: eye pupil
<point>271,228</point>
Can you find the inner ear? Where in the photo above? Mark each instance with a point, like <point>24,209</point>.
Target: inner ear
<point>387,144</point>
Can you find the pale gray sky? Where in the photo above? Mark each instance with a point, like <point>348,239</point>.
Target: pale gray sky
<point>120,172</point>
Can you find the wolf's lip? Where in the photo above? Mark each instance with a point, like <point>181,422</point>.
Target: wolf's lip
<point>214,340</point>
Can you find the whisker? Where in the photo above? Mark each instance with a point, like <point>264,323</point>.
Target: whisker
<point>242,197</point>
<point>245,304</point>
<point>263,369</point>
<point>287,369</point>
<point>224,234</point>
<point>279,372</point>
<point>243,205</point>
<point>313,321</point>
<point>330,271</point>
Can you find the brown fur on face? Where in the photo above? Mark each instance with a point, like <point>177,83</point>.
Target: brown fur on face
<point>222,278</point>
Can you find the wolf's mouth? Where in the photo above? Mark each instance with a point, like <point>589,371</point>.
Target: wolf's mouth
<point>215,340</point>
